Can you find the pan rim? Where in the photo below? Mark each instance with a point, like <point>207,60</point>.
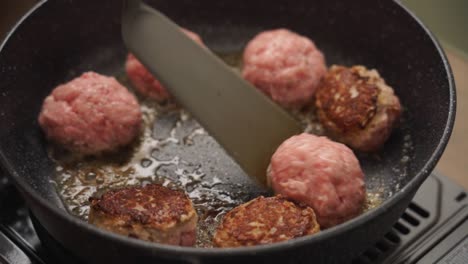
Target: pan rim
<point>412,185</point>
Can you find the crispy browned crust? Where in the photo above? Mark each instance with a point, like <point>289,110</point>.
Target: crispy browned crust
<point>347,97</point>
<point>154,206</point>
<point>357,107</point>
<point>265,220</point>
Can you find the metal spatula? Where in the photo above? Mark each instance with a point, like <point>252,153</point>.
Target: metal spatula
<point>247,124</point>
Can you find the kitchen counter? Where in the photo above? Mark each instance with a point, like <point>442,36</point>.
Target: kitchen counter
<point>454,162</point>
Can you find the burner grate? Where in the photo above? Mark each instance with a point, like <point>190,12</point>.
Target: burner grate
<point>430,217</point>
<point>413,221</point>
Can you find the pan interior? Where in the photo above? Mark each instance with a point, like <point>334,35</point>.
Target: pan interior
<point>175,151</point>
<point>67,43</point>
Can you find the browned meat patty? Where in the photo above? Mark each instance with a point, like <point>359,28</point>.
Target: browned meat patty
<point>357,107</point>
<point>263,221</point>
<point>153,213</point>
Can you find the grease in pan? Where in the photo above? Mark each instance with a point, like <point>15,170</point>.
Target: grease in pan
<point>133,171</point>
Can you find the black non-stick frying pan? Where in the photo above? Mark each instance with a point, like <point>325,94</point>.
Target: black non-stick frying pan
<point>58,40</point>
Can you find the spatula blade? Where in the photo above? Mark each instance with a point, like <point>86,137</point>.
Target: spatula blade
<point>246,123</point>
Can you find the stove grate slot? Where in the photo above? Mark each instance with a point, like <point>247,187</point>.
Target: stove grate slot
<point>460,197</point>
<point>401,228</point>
<point>410,219</point>
<point>392,238</point>
<point>418,210</point>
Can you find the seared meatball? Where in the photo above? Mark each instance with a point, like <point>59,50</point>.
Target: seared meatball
<point>144,81</point>
<point>320,173</point>
<point>92,113</point>
<point>357,107</point>
<point>264,221</point>
<point>153,213</point>
<point>284,65</point>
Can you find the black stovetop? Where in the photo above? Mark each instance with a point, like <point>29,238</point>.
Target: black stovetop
<point>434,229</point>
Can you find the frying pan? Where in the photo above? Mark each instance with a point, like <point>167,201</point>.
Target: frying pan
<point>57,40</point>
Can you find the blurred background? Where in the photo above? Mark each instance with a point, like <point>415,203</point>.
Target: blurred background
<point>448,19</point>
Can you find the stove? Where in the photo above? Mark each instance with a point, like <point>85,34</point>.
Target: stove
<point>434,229</point>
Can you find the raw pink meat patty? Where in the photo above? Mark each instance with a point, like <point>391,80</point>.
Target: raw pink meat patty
<point>284,65</point>
<point>91,114</point>
<point>320,173</point>
<point>144,81</point>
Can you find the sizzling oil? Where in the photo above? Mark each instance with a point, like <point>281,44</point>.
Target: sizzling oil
<point>78,179</point>
<point>147,161</point>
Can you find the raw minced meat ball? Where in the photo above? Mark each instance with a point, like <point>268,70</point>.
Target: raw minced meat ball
<point>153,213</point>
<point>143,81</point>
<point>264,221</point>
<point>320,173</point>
<point>284,65</point>
<point>357,107</point>
<point>91,114</point>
